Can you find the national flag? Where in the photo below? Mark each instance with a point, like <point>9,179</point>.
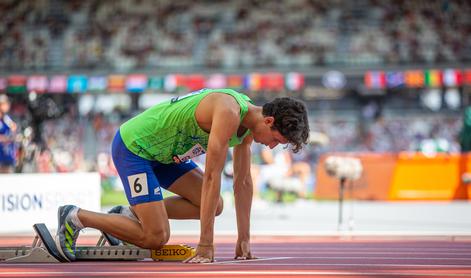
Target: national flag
<point>415,78</point>
<point>16,84</point>
<point>37,83</point>
<point>77,84</point>
<point>195,82</point>
<point>253,82</point>
<point>3,84</point>
<point>235,81</point>
<point>116,83</point>
<point>57,84</point>
<point>466,77</point>
<point>375,80</point>
<point>273,82</point>
<point>170,83</point>
<point>452,78</point>
<point>294,81</point>
<point>216,81</point>
<point>136,83</point>
<point>334,79</point>
<point>156,83</point>
<point>433,78</point>
<point>174,82</point>
<point>97,83</point>
<point>181,81</point>
<point>395,79</point>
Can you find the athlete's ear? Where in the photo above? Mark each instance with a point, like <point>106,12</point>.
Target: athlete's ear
<point>269,121</point>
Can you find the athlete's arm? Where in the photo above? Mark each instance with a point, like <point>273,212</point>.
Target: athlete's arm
<point>225,122</point>
<point>243,193</point>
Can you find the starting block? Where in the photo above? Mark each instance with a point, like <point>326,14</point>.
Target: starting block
<point>44,250</point>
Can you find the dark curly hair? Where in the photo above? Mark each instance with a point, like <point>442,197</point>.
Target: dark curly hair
<point>290,120</point>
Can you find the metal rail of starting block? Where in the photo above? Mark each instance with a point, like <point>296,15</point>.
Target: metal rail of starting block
<point>44,250</point>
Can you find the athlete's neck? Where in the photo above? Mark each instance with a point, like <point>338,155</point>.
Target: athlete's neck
<point>253,116</point>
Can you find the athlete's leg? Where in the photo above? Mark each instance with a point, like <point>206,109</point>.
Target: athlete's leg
<point>187,204</point>
<point>151,231</point>
<point>143,192</point>
<point>184,206</point>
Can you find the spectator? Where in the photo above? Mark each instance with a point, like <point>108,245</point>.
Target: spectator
<point>7,138</point>
<point>465,133</point>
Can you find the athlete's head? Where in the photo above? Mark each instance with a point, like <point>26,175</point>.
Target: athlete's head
<point>285,121</point>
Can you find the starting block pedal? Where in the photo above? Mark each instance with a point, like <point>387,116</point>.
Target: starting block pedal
<point>48,242</point>
<point>44,250</point>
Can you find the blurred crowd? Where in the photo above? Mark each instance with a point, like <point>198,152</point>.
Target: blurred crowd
<point>128,34</point>
<point>399,133</point>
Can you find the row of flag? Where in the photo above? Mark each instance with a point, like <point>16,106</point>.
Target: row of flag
<point>139,83</point>
<point>417,78</point>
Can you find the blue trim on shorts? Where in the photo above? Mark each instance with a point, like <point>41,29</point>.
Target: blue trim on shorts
<point>142,179</point>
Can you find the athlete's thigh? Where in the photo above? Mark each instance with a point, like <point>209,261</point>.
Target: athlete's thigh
<point>136,173</point>
<point>189,186</point>
<point>141,187</point>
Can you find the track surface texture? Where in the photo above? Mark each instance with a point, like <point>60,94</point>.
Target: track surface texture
<point>283,256</point>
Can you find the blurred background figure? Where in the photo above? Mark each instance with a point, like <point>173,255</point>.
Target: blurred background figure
<point>7,138</point>
<point>465,133</point>
<point>272,170</point>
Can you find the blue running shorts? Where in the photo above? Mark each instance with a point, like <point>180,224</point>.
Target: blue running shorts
<point>142,178</point>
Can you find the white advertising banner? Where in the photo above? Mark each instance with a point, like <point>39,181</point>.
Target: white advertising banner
<point>26,199</point>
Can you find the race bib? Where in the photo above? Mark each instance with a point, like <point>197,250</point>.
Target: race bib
<point>138,185</point>
<point>195,151</point>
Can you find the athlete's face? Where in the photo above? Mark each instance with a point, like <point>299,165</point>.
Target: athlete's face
<point>268,136</point>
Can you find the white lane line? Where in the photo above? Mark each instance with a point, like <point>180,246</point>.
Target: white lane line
<point>466,266</point>
<point>254,260</point>
<point>359,248</point>
<point>219,273</point>
<point>314,252</point>
<point>353,251</point>
<point>416,250</point>
<point>248,262</point>
<point>361,258</point>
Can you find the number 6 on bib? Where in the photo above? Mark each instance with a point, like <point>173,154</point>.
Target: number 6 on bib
<point>138,185</point>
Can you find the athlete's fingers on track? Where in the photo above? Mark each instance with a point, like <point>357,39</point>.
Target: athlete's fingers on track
<point>198,260</point>
<point>245,257</point>
<point>189,259</point>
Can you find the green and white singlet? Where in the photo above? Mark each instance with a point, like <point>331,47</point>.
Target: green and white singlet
<point>168,132</point>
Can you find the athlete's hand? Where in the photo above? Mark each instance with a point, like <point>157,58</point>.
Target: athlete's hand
<point>242,251</point>
<point>204,254</point>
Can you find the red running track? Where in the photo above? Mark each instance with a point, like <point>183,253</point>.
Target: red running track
<point>285,256</point>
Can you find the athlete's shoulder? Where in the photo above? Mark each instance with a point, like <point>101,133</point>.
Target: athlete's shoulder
<point>221,104</point>
<point>242,95</point>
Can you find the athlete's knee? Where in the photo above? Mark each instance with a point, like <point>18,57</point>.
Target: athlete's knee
<point>154,239</point>
<point>220,206</point>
